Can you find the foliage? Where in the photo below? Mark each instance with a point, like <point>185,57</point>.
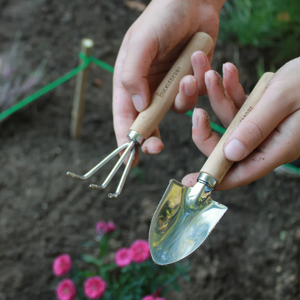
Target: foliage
<point>266,24</point>
<point>134,281</point>
<point>139,174</point>
<point>15,82</point>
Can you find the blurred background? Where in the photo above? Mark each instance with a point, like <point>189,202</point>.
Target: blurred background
<point>253,253</point>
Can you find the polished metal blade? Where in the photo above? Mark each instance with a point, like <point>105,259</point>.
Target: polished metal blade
<point>176,230</point>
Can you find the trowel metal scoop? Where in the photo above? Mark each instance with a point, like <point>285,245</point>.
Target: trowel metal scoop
<point>186,216</point>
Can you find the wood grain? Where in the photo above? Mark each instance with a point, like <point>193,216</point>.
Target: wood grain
<point>217,165</point>
<point>164,96</point>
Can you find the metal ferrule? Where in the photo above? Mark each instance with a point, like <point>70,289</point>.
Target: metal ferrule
<point>208,180</point>
<point>199,195</point>
<point>135,137</point>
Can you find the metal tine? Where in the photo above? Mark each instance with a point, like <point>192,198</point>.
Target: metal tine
<point>115,169</point>
<point>124,176</point>
<point>100,164</point>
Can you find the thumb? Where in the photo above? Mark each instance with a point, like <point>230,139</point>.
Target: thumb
<point>134,76</point>
<point>256,127</point>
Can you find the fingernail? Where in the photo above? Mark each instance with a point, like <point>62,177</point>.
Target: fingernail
<point>195,119</point>
<point>190,86</point>
<point>207,81</point>
<point>235,150</point>
<point>138,102</point>
<point>200,59</point>
<point>225,70</point>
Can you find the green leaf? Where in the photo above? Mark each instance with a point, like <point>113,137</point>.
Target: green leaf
<point>91,260</point>
<point>139,174</point>
<point>186,277</point>
<point>103,246</point>
<point>109,267</point>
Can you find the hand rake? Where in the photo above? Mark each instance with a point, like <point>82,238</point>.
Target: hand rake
<point>148,120</point>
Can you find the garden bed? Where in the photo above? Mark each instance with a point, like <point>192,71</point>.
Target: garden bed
<point>253,253</point>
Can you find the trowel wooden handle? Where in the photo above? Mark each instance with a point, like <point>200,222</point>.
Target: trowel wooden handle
<point>163,98</point>
<point>217,165</point>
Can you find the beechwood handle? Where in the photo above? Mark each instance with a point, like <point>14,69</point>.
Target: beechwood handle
<point>163,98</point>
<point>217,165</point>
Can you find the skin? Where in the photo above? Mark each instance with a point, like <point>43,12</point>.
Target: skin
<point>148,50</point>
<point>269,136</point>
<point>150,46</point>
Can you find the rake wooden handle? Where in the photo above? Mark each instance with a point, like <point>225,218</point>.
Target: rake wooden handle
<point>217,165</point>
<point>164,96</point>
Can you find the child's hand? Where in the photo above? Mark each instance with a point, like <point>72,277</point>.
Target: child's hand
<point>148,50</point>
<point>266,139</point>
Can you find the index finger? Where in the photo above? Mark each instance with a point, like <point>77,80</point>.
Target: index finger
<point>124,112</point>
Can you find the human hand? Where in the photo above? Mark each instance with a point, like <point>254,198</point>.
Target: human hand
<point>148,50</point>
<point>266,139</point>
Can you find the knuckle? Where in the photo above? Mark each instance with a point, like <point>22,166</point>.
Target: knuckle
<point>128,80</point>
<point>201,140</point>
<point>293,153</point>
<point>254,131</point>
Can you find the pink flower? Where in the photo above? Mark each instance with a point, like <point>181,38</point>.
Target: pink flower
<point>123,257</point>
<point>94,287</point>
<point>101,228</point>
<point>110,227</point>
<point>157,293</point>
<point>150,297</point>
<point>66,290</point>
<point>62,264</point>
<point>140,251</point>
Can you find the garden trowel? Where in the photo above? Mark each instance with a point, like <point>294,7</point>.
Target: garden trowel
<point>186,216</point>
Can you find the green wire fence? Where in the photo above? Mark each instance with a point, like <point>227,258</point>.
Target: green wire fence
<point>86,61</point>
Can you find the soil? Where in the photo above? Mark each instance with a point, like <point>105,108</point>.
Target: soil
<point>253,253</point>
